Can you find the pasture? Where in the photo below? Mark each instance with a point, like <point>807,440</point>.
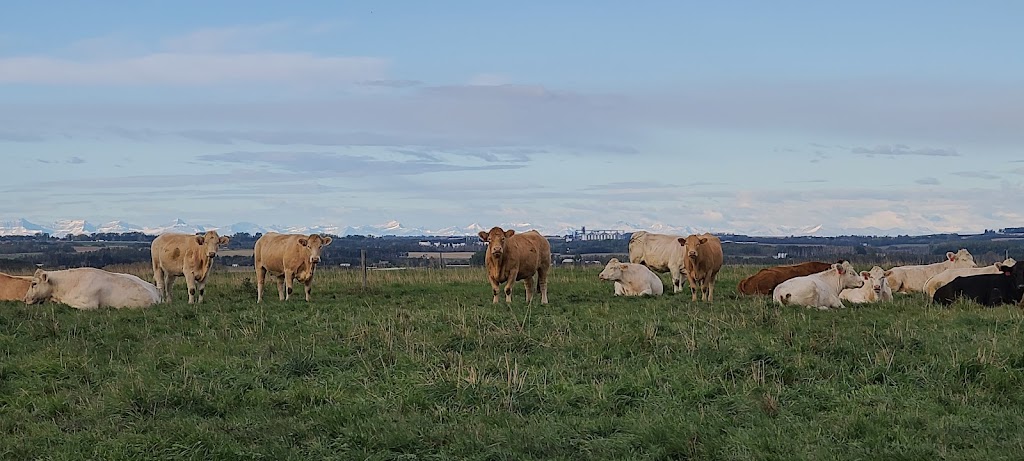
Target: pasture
<point>421,365</point>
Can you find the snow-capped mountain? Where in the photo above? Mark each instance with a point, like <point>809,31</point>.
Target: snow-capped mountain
<point>21,226</point>
<point>118,227</point>
<point>72,226</point>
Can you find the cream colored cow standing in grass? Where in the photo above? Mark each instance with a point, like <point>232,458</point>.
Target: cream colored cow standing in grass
<point>661,253</point>
<point>289,257</point>
<point>190,256</point>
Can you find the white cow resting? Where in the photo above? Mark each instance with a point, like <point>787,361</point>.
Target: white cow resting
<point>911,279</point>
<point>819,290</point>
<point>876,288</point>
<point>632,279</point>
<point>89,288</point>
<point>661,253</point>
<point>938,280</point>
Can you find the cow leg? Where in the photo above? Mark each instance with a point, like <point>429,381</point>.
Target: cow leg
<point>508,285</point>
<point>529,289</point>
<point>677,279</point>
<point>494,289</point>
<point>168,286</point>
<point>280,287</point>
<point>158,280</point>
<point>542,285</point>
<point>711,289</point>
<point>289,281</point>
<point>190,282</point>
<point>261,277</point>
<point>200,291</point>
<point>618,289</point>
<point>309,287</point>
<point>693,288</point>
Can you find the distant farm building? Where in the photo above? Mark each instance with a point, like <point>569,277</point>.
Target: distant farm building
<point>599,234</point>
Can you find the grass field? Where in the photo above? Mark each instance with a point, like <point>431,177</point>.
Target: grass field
<point>421,366</point>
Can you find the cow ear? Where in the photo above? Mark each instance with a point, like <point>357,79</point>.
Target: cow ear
<point>950,255</point>
<point>865,274</point>
<point>509,233</point>
<point>839,269</point>
<point>41,274</point>
<point>887,273</point>
<point>327,241</point>
<point>623,266</point>
<point>200,239</point>
<point>483,235</point>
<point>43,277</point>
<point>223,241</point>
<point>304,242</point>
<point>1006,269</point>
<point>702,240</point>
<point>682,241</point>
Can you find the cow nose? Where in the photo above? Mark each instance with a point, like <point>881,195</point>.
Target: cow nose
<point>315,259</point>
<point>212,254</point>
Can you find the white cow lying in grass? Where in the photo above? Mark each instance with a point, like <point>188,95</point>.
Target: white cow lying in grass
<point>876,288</point>
<point>89,288</point>
<point>819,290</point>
<point>946,276</point>
<point>911,279</point>
<point>632,279</point>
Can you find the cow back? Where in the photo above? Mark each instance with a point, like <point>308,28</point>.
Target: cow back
<point>765,280</point>
<point>13,288</point>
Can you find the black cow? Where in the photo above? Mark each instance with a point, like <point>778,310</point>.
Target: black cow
<point>987,289</point>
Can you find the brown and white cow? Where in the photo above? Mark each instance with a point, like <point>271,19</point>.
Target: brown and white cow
<point>910,279</point>
<point>289,257</point>
<point>13,287</point>
<point>661,253</point>
<point>938,280</point>
<point>703,260</point>
<point>511,257</point>
<point>765,280</point>
<point>819,290</point>
<point>90,288</point>
<point>632,279</point>
<point>876,288</point>
<point>190,256</point>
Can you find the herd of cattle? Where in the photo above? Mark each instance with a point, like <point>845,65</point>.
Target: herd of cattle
<point>511,257</point>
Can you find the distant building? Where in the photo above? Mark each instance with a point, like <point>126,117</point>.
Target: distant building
<point>599,234</point>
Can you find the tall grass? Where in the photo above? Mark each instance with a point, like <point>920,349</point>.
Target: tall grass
<point>421,365</point>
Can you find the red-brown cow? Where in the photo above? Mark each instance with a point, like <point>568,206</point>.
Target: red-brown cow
<point>511,257</point>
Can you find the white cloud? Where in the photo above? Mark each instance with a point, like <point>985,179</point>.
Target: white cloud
<point>223,38</point>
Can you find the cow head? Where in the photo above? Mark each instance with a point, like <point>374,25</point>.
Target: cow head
<point>41,288</point>
<point>876,279</point>
<point>312,246</point>
<point>210,242</point>
<point>495,239</point>
<point>690,245</point>
<point>962,258</point>
<point>1017,272</point>
<point>848,277</point>
<point>613,270</point>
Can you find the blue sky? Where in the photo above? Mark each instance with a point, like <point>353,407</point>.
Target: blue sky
<point>722,116</point>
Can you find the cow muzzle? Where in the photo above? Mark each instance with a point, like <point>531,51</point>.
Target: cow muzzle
<point>314,259</point>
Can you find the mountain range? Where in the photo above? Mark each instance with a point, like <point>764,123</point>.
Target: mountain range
<point>63,227</point>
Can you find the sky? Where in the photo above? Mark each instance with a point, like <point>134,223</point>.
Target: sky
<point>737,116</point>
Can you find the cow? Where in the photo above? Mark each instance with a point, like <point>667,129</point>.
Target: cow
<point>765,280</point>
<point>186,255</point>
<point>661,253</point>
<point>876,288</point>
<point>911,279</point>
<point>289,257</point>
<point>819,290</point>
<point>1006,287</point>
<point>632,279</point>
<point>703,260</point>
<point>511,257</point>
<point>91,288</point>
<point>13,287</point>
<point>946,276</point>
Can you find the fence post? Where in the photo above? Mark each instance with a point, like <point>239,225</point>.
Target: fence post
<point>362,257</point>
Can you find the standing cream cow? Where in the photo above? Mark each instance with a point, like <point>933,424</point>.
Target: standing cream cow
<point>289,257</point>
<point>946,276</point>
<point>632,279</point>
<point>186,255</point>
<point>89,288</point>
<point>819,290</point>
<point>511,257</point>
<point>876,288</point>
<point>910,279</point>
<point>660,252</point>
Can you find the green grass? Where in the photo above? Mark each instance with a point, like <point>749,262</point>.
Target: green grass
<point>421,366</point>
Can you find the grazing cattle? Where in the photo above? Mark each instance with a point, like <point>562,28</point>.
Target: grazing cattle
<point>910,279</point>
<point>289,257</point>
<point>186,255</point>
<point>1006,287</point>
<point>703,260</point>
<point>876,288</point>
<point>632,279</point>
<point>511,257</point>
<point>661,253</point>
<point>948,275</point>
<point>819,290</point>
<point>13,287</point>
<point>90,288</point>
<point>765,280</point>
